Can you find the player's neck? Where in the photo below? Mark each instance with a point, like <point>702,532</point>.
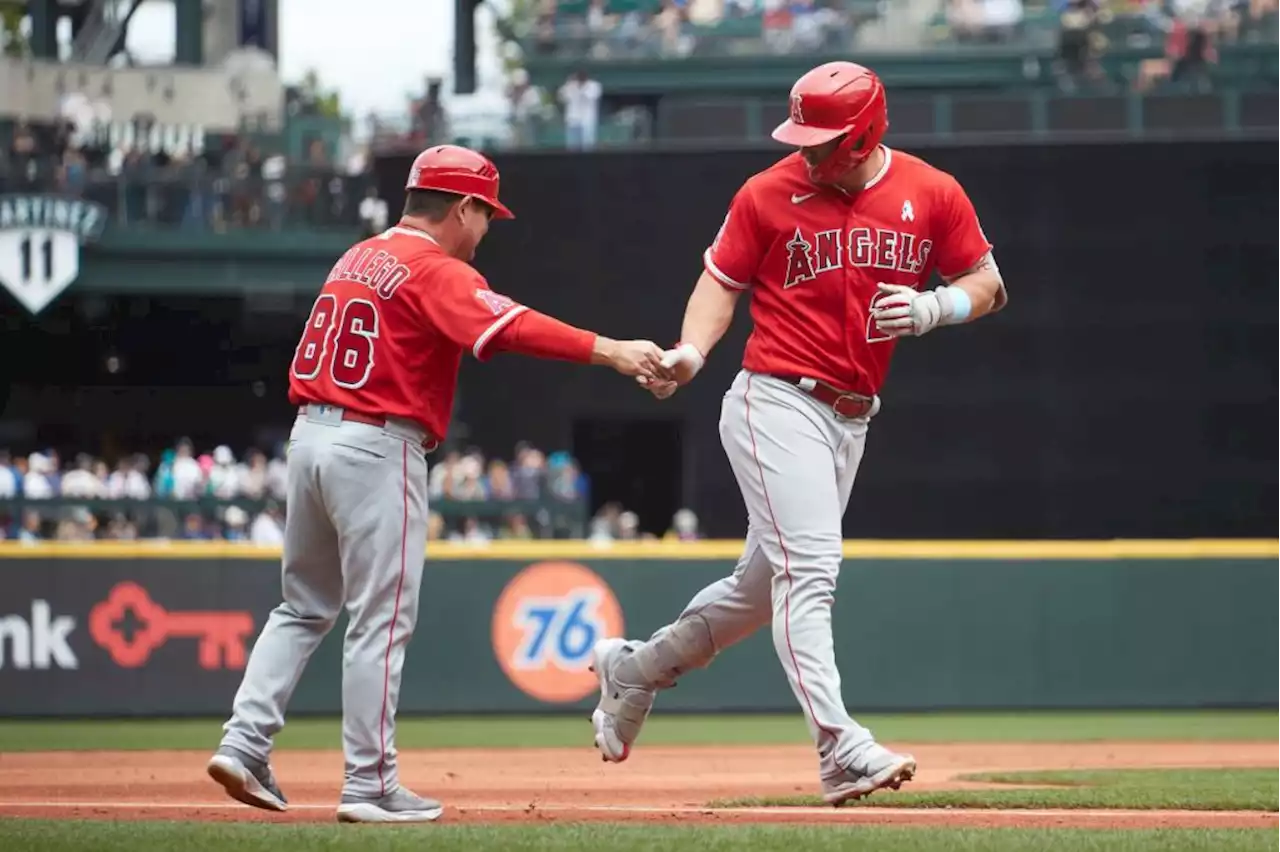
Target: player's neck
<point>860,175</point>
<point>435,230</point>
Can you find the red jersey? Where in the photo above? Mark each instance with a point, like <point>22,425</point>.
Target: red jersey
<point>812,258</point>
<point>387,332</point>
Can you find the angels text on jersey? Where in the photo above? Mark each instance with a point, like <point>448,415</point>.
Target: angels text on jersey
<point>812,254</point>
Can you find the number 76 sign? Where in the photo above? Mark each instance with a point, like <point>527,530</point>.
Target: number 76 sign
<point>545,623</point>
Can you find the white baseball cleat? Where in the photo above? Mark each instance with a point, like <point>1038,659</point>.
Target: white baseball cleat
<point>875,768</point>
<point>623,708</point>
<point>400,805</point>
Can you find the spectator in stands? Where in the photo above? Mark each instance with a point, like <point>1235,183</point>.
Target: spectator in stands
<point>216,476</point>
<point>516,528</point>
<point>373,212</point>
<point>527,108</point>
<point>277,483</point>
<point>37,484</point>
<point>604,526</point>
<point>443,475</point>
<point>222,481</point>
<point>469,485</point>
<point>684,526</point>
<point>186,473</point>
<point>24,160</point>
<point>78,525</point>
<point>628,526</point>
<point>530,468</point>
<point>120,528</point>
<point>129,480</point>
<point>268,527</point>
<point>563,477</point>
<point>473,532</point>
<point>1079,43</point>
<point>8,477</point>
<point>31,530</point>
<point>82,481</point>
<point>499,480</point>
<point>580,96</point>
<point>73,173</point>
<point>435,526</point>
<point>236,519</point>
<point>251,475</point>
<point>1189,51</point>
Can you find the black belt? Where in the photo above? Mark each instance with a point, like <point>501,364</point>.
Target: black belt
<point>844,403</point>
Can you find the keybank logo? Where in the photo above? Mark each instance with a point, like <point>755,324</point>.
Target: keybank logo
<point>545,623</point>
<point>130,627</point>
<point>39,642</point>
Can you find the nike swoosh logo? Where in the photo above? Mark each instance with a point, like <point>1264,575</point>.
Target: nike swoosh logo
<point>797,199</point>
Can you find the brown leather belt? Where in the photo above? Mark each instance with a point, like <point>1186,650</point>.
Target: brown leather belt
<point>429,443</point>
<point>845,404</point>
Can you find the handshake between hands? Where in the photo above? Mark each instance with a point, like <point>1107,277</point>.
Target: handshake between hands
<point>659,371</point>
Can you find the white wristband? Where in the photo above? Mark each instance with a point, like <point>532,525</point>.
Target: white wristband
<point>686,353</point>
<point>956,304</point>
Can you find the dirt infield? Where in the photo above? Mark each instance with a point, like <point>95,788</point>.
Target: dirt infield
<point>659,784</point>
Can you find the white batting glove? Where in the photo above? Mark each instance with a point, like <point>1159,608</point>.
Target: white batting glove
<point>902,311</point>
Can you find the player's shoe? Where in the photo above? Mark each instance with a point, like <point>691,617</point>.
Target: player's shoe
<point>872,769</point>
<point>246,779</point>
<point>400,805</point>
<point>623,707</point>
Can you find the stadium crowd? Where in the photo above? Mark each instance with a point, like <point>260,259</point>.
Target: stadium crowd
<point>257,482</point>
<point>147,174</point>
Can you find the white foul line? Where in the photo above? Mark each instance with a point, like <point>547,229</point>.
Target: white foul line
<point>941,813</point>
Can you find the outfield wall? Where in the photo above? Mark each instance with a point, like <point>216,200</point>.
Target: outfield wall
<point>164,630</point>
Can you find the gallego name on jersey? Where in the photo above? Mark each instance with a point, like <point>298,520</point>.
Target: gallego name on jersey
<point>85,219</point>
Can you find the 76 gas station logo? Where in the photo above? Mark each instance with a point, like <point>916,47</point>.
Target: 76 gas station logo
<point>546,622</point>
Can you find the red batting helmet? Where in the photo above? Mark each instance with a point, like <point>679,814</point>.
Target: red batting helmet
<point>833,99</point>
<point>461,171</point>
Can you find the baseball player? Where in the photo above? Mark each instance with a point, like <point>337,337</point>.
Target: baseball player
<point>835,243</point>
<point>374,378</point>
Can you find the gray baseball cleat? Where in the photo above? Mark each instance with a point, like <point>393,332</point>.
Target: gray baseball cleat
<point>400,805</point>
<point>623,708</point>
<point>873,769</point>
<point>246,779</point>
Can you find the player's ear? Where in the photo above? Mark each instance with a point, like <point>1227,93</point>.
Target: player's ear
<point>463,207</point>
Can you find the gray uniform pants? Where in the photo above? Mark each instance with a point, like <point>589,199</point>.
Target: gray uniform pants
<point>795,462</point>
<point>355,538</point>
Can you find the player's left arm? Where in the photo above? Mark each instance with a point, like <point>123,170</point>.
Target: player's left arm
<point>965,260</point>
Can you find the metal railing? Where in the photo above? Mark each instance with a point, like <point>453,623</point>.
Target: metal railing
<point>195,197</point>
<point>81,519</point>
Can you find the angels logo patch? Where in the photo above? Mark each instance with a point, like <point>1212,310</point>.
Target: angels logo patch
<point>495,302</point>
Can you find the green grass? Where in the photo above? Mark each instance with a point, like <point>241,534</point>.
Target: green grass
<point>550,731</point>
<point>1137,789</point>
<point>43,836</point>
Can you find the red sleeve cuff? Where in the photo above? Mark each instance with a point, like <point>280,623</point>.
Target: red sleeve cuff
<point>719,275</point>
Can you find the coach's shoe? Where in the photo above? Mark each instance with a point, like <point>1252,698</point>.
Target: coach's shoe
<point>246,779</point>
<point>873,769</point>
<point>401,805</point>
<point>623,707</point>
